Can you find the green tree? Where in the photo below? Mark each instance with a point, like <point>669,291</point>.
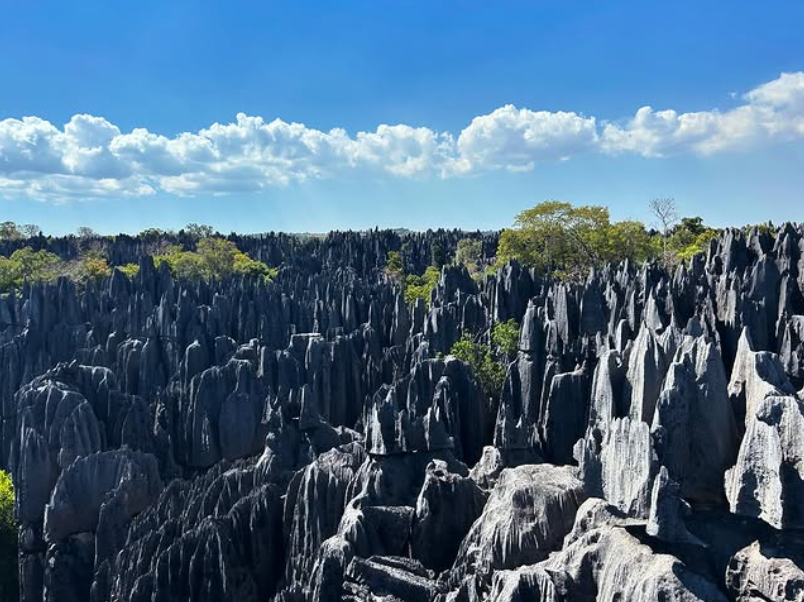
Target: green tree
<point>36,265</point>
<point>215,258</point>
<point>557,236</point>
<point>489,372</point>
<point>152,234</point>
<point>421,287</point>
<point>218,256</point>
<point>8,541</point>
<point>90,266</point>
<point>566,240</point>
<point>27,265</point>
<point>85,232</point>
<point>130,269</point>
<point>438,254</point>
<point>182,264</point>
<point>393,265</point>
<point>198,230</point>
<point>9,231</point>
<point>469,254</point>
<point>246,266</point>
<point>688,238</point>
<point>628,240</point>
<point>505,335</point>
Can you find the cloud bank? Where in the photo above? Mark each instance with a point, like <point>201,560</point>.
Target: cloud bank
<point>90,157</point>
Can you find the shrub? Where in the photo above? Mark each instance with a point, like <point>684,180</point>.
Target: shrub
<point>505,335</point>
<point>130,269</point>
<point>393,264</point>
<point>8,540</point>
<point>27,265</point>
<point>246,266</point>
<point>215,258</point>
<point>469,253</point>
<point>421,287</point>
<point>489,372</point>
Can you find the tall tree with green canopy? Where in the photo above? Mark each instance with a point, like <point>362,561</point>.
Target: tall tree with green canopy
<point>688,238</point>
<point>26,265</point>
<point>469,253</point>
<point>559,237</point>
<point>198,230</point>
<point>9,231</point>
<point>438,254</point>
<point>393,265</point>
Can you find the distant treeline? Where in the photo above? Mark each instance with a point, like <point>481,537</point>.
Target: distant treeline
<point>552,237</point>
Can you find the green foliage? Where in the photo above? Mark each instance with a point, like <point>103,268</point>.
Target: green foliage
<point>245,265</point>
<point>469,253</point>
<point>420,287</point>
<point>130,269</point>
<point>27,265</point>
<point>438,254</point>
<point>505,335</point>
<point>413,285</point>
<point>86,232</point>
<point>559,237</point>
<point>152,233</point>
<point>765,228</point>
<point>690,237</point>
<point>9,231</point>
<point>629,240</point>
<point>198,230</point>
<point>182,264</point>
<point>489,372</point>
<point>91,266</point>
<point>214,258</point>
<point>393,265</point>
<point>8,540</point>
<point>554,235</point>
<point>218,256</point>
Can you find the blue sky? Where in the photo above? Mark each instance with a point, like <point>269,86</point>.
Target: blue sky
<point>414,114</point>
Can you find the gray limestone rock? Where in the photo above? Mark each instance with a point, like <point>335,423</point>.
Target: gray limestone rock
<point>526,517</point>
<point>770,570</point>
<point>767,481</point>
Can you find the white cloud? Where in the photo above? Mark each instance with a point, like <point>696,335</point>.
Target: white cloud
<point>514,139</point>
<point>90,157</point>
<point>771,112</point>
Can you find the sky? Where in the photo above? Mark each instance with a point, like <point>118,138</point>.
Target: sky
<point>309,116</point>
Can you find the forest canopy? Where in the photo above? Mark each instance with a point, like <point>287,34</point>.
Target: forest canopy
<point>568,240</point>
<point>553,236</point>
<point>213,258</point>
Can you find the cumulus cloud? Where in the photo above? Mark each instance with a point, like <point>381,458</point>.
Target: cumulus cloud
<point>91,157</point>
<point>772,112</point>
<point>515,139</point>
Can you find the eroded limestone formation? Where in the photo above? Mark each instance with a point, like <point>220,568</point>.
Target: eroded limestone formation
<point>311,438</point>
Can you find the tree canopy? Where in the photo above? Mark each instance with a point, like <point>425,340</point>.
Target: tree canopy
<point>688,238</point>
<point>469,253</point>
<point>490,372</point>
<point>214,258</point>
<point>567,241</point>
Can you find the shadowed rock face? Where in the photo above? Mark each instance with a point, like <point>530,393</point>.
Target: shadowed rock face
<point>312,438</point>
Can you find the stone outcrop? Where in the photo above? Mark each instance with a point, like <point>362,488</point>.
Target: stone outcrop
<point>312,438</point>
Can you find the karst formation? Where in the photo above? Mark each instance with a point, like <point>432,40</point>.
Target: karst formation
<point>312,438</point>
